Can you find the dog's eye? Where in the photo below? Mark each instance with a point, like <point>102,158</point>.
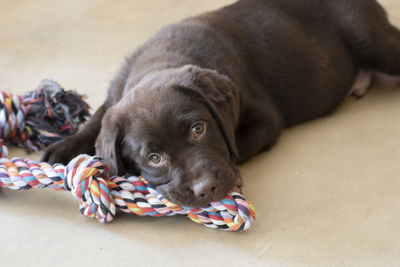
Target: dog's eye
<point>198,129</point>
<point>155,160</point>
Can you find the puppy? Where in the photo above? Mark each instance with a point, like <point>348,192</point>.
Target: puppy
<point>209,92</point>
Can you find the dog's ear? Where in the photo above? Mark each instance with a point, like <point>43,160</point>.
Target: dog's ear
<point>109,143</point>
<point>221,96</point>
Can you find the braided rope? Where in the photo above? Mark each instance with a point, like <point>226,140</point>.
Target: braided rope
<point>42,116</point>
<point>12,118</point>
<point>100,196</point>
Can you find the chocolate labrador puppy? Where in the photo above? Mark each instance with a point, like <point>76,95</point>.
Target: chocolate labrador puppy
<point>211,91</point>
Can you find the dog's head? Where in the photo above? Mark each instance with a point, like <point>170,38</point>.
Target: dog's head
<point>176,129</point>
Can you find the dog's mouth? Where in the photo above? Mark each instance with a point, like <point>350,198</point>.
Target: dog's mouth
<point>185,197</point>
<point>189,201</point>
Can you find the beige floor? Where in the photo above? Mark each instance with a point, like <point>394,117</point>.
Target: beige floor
<point>326,195</point>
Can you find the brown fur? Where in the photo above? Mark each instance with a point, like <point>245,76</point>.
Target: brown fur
<point>246,71</point>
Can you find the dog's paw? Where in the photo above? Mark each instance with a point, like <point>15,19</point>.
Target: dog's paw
<point>65,150</point>
<point>362,84</point>
<point>385,80</point>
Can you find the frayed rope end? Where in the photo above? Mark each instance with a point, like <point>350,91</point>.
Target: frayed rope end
<point>52,113</point>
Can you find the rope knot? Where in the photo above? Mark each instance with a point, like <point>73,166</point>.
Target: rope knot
<point>42,116</point>
<point>87,179</point>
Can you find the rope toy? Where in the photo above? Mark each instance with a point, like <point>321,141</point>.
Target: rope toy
<point>42,116</point>
<point>101,196</point>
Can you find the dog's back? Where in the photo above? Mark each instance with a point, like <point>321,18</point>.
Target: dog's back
<point>289,51</point>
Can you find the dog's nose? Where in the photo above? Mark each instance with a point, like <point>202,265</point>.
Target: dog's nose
<point>204,188</point>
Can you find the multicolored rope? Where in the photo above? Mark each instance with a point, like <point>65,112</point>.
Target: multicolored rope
<point>100,196</point>
<point>48,114</point>
<point>42,116</point>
